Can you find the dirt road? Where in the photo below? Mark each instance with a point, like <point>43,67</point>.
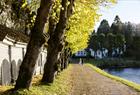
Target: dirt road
<point>85,81</point>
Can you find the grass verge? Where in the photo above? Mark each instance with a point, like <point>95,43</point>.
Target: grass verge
<point>61,86</point>
<point>124,81</point>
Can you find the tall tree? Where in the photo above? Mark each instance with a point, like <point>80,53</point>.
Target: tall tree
<point>94,43</point>
<point>104,27</point>
<point>34,46</point>
<point>55,43</point>
<point>129,30</point>
<point>119,43</point>
<point>101,39</point>
<point>136,48</point>
<point>117,26</point>
<point>110,40</point>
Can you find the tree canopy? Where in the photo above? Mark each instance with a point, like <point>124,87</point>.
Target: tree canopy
<point>104,27</point>
<point>82,22</point>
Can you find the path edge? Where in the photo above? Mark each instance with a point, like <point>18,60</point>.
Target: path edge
<point>119,79</point>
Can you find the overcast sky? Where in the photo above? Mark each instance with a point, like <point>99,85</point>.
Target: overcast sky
<point>128,10</point>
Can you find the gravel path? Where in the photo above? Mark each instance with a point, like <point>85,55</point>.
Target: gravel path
<point>85,81</point>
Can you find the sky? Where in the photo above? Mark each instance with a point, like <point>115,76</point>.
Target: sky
<point>128,10</point>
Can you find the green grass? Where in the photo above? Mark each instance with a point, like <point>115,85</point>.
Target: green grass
<point>124,81</point>
<point>61,86</point>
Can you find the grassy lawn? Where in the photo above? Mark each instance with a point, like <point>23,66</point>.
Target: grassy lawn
<point>61,86</point>
<point>124,81</point>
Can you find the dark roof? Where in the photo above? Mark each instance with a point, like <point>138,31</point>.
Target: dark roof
<point>15,35</point>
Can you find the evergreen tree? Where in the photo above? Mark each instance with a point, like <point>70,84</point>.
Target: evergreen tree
<point>104,27</point>
<point>117,26</point>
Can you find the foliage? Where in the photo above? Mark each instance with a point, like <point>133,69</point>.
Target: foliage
<point>94,42</point>
<point>101,39</point>
<point>117,26</point>
<point>128,29</point>
<point>110,43</point>
<point>132,35</point>
<point>136,47</point>
<point>104,27</point>
<point>24,11</point>
<point>82,22</point>
<point>33,5</point>
<point>119,41</point>
<point>18,14</point>
<point>79,26</point>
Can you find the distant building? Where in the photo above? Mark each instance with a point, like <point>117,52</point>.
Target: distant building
<point>91,53</point>
<point>81,53</point>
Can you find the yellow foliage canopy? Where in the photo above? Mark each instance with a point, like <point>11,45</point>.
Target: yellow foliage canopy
<point>82,22</point>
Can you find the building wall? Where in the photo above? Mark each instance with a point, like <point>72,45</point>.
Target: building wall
<point>11,57</point>
<point>3,52</point>
<point>3,55</point>
<point>16,54</point>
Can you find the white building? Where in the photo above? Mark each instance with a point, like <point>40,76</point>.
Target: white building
<point>97,55</point>
<point>81,53</point>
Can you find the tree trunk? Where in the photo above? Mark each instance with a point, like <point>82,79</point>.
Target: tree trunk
<point>55,43</point>
<point>62,60</point>
<point>65,60</point>
<point>34,46</point>
<point>54,48</point>
<point>66,56</point>
<point>49,67</point>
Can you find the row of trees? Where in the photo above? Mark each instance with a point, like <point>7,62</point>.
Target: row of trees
<point>67,24</point>
<point>132,36</point>
<point>119,37</point>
